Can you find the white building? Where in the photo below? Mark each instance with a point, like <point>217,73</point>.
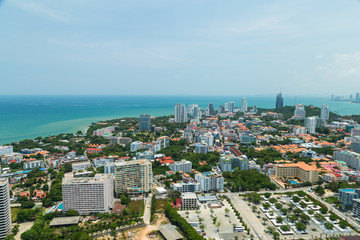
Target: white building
<point>33,164</point>
<point>201,148</point>
<point>134,177</point>
<point>297,130</point>
<point>210,181</point>
<point>244,105</point>
<point>189,201</point>
<point>311,123</point>
<point>163,141</point>
<point>180,113</point>
<point>299,112</point>
<point>184,165</point>
<point>80,166</point>
<point>5,212</point>
<point>88,194</point>
<point>135,146</point>
<point>225,164</point>
<point>186,186</point>
<point>324,113</point>
<point>5,150</point>
<point>18,157</point>
<point>231,107</point>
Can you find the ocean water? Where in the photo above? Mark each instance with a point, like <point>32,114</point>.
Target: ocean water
<point>24,117</point>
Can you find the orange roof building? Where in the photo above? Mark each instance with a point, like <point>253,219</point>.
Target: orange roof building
<point>300,170</point>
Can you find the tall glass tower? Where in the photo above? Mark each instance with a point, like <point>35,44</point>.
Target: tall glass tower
<point>279,101</point>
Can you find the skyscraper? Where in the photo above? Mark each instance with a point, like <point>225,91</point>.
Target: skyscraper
<point>180,113</point>
<point>244,105</point>
<point>279,101</point>
<point>144,122</point>
<point>324,112</point>
<point>357,98</point>
<point>299,111</point>
<point>221,109</point>
<point>5,213</point>
<point>231,107</point>
<point>211,110</point>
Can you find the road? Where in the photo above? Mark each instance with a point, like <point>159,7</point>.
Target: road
<point>250,219</point>
<point>147,211</point>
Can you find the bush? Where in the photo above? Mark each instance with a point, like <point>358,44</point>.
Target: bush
<point>175,218</point>
<point>285,228</point>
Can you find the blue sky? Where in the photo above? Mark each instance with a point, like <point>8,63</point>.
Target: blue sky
<point>178,47</point>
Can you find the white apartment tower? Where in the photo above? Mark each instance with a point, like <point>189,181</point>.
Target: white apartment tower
<point>299,111</point>
<point>134,177</point>
<point>5,212</point>
<point>231,107</point>
<point>88,194</point>
<point>324,113</point>
<point>180,113</point>
<point>244,105</point>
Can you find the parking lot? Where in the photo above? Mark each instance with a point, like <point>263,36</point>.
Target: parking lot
<point>224,223</point>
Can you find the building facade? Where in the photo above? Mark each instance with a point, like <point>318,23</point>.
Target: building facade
<point>144,122</point>
<point>133,177</point>
<point>324,115</point>
<point>244,105</point>
<point>210,181</point>
<point>180,113</point>
<point>352,159</point>
<point>5,212</point>
<point>88,194</point>
<point>184,166</point>
<point>279,101</point>
<point>302,171</point>
<point>299,112</point>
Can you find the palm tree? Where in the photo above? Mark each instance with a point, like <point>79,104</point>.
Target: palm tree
<point>227,212</point>
<point>217,225</point>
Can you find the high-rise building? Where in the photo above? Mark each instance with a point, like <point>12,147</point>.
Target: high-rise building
<point>210,111</point>
<point>312,123</point>
<point>299,112</point>
<point>279,101</point>
<point>244,105</point>
<point>221,109</point>
<point>357,98</point>
<point>180,113</point>
<point>324,112</point>
<point>231,107</point>
<point>133,177</point>
<point>88,194</point>
<point>347,195</point>
<point>5,212</point>
<point>144,122</point>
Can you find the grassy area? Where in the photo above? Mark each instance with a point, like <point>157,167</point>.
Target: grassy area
<point>135,206</point>
<point>14,212</point>
<point>160,205</point>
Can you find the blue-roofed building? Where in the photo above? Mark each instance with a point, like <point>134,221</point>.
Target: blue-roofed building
<point>347,195</point>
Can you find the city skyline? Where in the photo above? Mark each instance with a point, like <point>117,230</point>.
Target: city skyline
<point>253,48</point>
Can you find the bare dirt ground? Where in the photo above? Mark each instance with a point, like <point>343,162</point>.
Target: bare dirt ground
<point>142,233</point>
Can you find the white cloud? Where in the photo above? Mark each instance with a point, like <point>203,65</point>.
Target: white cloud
<point>343,67</point>
<point>41,10</point>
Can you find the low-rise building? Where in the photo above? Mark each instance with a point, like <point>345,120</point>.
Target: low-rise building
<point>33,164</point>
<point>135,146</point>
<point>189,201</point>
<point>80,166</point>
<point>184,166</point>
<point>300,170</point>
<point>201,148</point>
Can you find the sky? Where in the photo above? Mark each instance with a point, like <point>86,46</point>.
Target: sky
<point>173,47</point>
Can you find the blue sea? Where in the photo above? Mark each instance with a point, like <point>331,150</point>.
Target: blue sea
<point>24,117</point>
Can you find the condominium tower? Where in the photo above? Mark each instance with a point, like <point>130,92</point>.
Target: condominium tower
<point>180,113</point>
<point>134,177</point>
<point>244,105</point>
<point>324,112</point>
<point>144,122</point>
<point>299,112</point>
<point>279,101</point>
<point>5,213</point>
<point>88,194</point>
